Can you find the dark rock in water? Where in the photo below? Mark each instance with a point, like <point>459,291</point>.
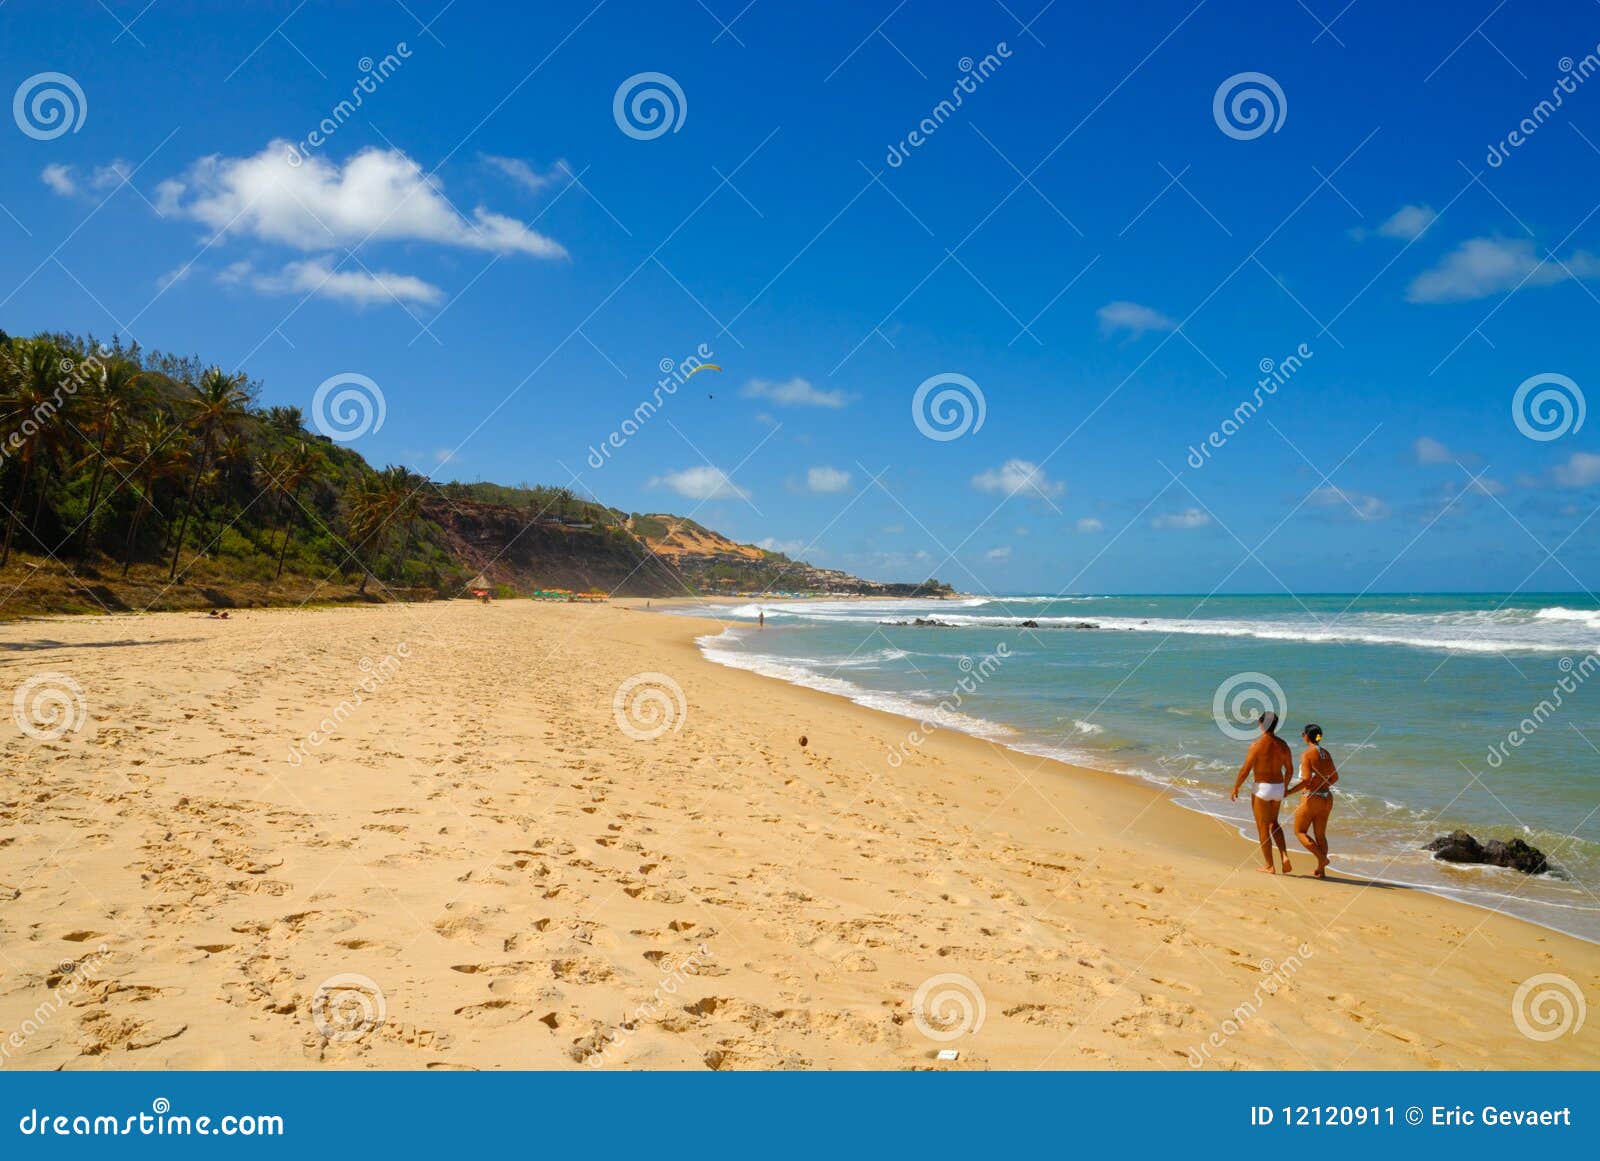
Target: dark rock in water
<point>1456,847</point>
<point>930,622</point>
<point>1515,854</point>
<point>1029,625</point>
<point>1460,847</point>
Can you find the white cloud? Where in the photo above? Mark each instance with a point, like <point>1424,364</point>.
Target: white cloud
<point>795,392</point>
<point>63,179</point>
<point>1188,518</point>
<point>525,175</point>
<point>702,483</point>
<point>59,178</point>
<point>1431,451</point>
<point>1408,222</point>
<point>1016,476</point>
<point>1581,471</point>
<point>1131,317</point>
<point>1090,524</point>
<point>317,276</point>
<point>379,194</point>
<point>1001,553</point>
<point>1358,504</point>
<point>1480,267</point>
<point>826,480</point>
<point>789,548</point>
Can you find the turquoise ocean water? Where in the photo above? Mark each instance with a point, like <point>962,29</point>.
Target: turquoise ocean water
<point>1418,695</point>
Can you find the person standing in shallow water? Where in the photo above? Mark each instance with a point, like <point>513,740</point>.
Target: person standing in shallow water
<point>1270,760</point>
<point>1317,776</point>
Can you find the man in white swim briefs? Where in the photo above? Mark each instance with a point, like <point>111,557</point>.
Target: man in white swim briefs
<point>1271,761</point>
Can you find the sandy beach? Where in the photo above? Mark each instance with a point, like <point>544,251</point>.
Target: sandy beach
<point>421,836</point>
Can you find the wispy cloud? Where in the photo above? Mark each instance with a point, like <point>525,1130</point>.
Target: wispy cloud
<point>701,483</point>
<point>64,179</point>
<point>1090,524</point>
<point>318,276</point>
<point>1003,552</point>
<point>1360,505</point>
<point>1408,223</point>
<point>525,175</point>
<point>794,392</point>
<point>1188,518</point>
<point>1017,476</point>
<point>825,480</point>
<point>1131,318</point>
<point>1582,470</point>
<point>1480,267</point>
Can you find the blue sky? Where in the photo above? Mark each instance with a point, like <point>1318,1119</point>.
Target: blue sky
<point>1080,238</point>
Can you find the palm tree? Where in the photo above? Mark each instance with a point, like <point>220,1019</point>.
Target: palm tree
<point>380,503</point>
<point>152,456</point>
<point>218,403</point>
<point>34,389</point>
<point>107,409</point>
<point>289,472</point>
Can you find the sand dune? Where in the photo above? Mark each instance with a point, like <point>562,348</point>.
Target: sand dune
<point>418,837</point>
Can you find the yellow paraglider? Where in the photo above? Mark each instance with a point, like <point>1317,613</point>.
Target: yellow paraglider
<point>702,367</point>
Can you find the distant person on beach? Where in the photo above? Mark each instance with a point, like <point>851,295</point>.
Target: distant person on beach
<point>1317,776</point>
<point>1270,760</point>
<point>761,618</point>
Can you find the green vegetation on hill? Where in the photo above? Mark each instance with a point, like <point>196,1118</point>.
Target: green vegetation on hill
<point>113,454</point>
<point>136,479</point>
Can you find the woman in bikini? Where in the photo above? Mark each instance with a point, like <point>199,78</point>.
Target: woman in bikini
<point>1317,776</point>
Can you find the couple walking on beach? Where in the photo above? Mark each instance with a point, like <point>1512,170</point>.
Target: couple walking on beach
<point>1272,763</point>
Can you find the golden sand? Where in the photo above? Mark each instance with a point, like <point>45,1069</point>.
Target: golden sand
<point>434,808</point>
